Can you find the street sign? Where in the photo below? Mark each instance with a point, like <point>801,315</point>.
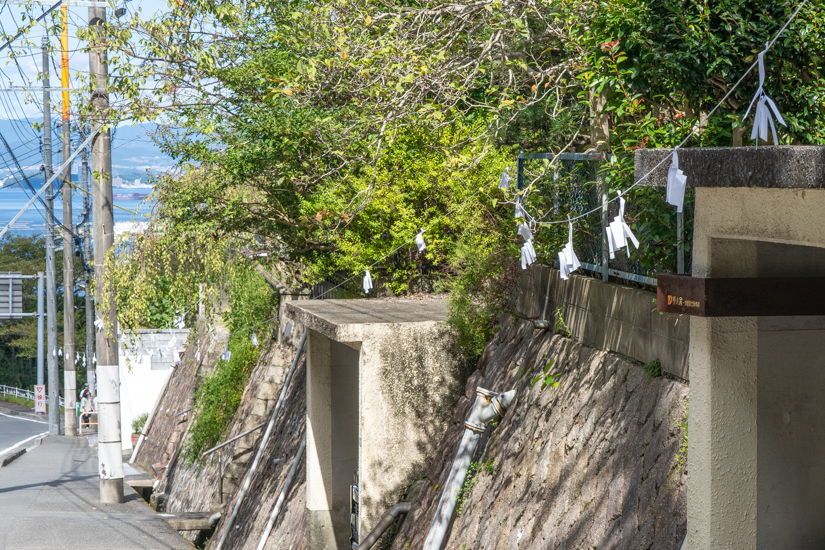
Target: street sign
<point>740,297</point>
<point>11,295</point>
<point>40,398</point>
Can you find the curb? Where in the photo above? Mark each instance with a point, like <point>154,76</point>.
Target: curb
<point>12,457</point>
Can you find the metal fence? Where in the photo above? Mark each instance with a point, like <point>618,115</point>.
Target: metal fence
<point>19,392</point>
<point>574,184</point>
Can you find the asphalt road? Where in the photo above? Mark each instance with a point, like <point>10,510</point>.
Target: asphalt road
<point>50,499</point>
<point>16,431</point>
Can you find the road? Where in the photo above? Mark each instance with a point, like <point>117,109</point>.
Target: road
<point>16,431</point>
<point>50,498</point>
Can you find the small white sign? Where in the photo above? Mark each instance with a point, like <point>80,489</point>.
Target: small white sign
<point>40,398</point>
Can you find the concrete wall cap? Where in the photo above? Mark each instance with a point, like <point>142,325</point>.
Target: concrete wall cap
<point>786,167</point>
<point>356,320</point>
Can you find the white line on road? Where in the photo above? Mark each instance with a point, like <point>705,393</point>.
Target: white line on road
<point>24,418</point>
<point>4,451</point>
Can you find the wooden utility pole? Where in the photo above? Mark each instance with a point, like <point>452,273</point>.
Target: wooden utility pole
<point>110,458</point>
<point>51,284</point>
<point>69,373</point>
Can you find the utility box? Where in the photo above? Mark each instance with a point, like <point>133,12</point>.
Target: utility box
<point>382,384</point>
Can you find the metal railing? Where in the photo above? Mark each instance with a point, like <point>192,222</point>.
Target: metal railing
<point>19,392</point>
<point>575,184</point>
<point>91,426</point>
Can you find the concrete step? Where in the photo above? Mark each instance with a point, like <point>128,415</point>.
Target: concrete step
<point>191,521</point>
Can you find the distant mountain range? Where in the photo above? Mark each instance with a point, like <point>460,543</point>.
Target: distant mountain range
<point>134,156</point>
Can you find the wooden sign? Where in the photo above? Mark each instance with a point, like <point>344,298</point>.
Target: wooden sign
<point>740,297</point>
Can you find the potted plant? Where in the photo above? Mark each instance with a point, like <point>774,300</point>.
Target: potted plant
<point>137,426</point>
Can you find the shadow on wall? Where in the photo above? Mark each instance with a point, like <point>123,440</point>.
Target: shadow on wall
<point>408,391</point>
<point>590,463</point>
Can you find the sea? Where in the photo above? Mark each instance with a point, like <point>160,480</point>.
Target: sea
<point>135,206</point>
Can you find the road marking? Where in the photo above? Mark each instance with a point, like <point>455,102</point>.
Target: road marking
<point>24,418</point>
<point>4,451</point>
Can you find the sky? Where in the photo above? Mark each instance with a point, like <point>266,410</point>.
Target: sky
<point>24,70</point>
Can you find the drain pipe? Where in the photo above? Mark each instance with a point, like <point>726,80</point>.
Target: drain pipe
<point>248,481</point>
<point>487,407</point>
<point>282,497</point>
<point>390,516</point>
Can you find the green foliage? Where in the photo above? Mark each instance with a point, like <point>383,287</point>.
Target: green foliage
<point>18,338</point>
<point>139,422</point>
<point>681,454</point>
<point>547,380</point>
<point>22,401</point>
<point>466,490</point>
<point>560,326</point>
<point>219,393</point>
<point>218,396</point>
<point>479,293</point>
<point>653,368</point>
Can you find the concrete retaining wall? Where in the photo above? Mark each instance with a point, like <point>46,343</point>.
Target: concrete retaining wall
<point>607,316</point>
<point>592,463</point>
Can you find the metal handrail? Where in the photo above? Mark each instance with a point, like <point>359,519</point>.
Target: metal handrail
<point>92,422</point>
<point>228,441</point>
<point>20,392</point>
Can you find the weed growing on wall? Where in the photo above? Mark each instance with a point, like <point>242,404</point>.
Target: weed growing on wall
<point>547,380</point>
<point>681,454</point>
<point>251,301</point>
<point>218,397</point>
<point>653,368</point>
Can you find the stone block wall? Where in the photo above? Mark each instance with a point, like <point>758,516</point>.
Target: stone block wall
<point>589,464</point>
<point>607,316</point>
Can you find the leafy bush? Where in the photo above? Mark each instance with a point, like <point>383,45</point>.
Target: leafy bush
<point>139,422</point>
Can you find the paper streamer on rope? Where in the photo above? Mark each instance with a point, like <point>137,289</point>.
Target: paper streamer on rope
<point>419,241</point>
<point>226,355</point>
<point>676,183</point>
<point>504,183</point>
<point>84,361</point>
<point>762,118</point>
<point>367,282</point>
<point>619,234</point>
<point>568,262</point>
<point>254,339</point>
<point>528,253</point>
<point>99,323</point>
<point>94,359</point>
<point>520,213</point>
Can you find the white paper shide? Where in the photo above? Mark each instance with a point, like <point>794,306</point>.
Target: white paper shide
<point>619,234</point>
<point>367,282</point>
<point>568,262</point>
<point>762,118</point>
<point>419,241</point>
<point>528,253</point>
<point>676,183</point>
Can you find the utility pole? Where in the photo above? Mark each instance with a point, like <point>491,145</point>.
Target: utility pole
<point>51,285</point>
<point>87,274</point>
<point>69,373</point>
<point>40,327</point>
<point>110,457</point>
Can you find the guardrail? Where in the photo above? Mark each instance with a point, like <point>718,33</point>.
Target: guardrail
<point>25,394</point>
